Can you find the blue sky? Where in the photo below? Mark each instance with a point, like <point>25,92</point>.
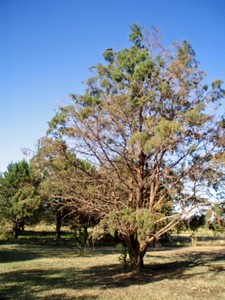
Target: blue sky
<point>47,47</point>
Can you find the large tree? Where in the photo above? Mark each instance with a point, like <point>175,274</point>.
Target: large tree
<point>148,124</point>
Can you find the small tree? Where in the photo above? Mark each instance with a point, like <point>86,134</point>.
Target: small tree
<point>144,124</point>
<point>19,202</point>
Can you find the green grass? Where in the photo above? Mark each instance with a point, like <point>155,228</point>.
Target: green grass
<point>29,271</point>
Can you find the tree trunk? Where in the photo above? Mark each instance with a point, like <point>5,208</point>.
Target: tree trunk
<point>137,263</point>
<point>16,229</point>
<point>21,225</point>
<point>136,253</point>
<point>58,219</point>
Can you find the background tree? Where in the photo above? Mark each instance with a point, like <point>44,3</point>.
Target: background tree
<point>19,202</point>
<point>144,122</point>
<point>58,169</point>
<point>49,165</point>
<point>216,218</point>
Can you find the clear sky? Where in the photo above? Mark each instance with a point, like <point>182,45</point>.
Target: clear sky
<point>47,46</point>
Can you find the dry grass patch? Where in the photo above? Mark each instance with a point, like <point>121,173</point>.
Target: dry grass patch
<point>41,272</point>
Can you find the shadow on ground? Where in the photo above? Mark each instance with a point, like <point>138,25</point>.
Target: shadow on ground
<point>27,284</point>
<point>17,252</point>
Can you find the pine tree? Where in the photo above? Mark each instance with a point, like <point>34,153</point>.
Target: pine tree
<point>145,125</point>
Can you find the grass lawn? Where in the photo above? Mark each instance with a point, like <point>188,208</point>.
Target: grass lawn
<point>29,271</point>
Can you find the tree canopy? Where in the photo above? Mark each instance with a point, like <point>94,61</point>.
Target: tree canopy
<point>18,196</point>
<point>148,124</point>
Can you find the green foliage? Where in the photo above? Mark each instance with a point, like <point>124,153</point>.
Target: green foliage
<point>216,84</point>
<point>196,222</point>
<point>162,133</point>
<point>123,259</point>
<point>109,55</point>
<point>136,35</point>
<point>141,222</point>
<point>19,201</point>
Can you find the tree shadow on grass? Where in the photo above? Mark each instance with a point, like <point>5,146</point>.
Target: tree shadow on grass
<point>26,252</point>
<point>17,251</point>
<point>30,284</point>
<point>16,256</point>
